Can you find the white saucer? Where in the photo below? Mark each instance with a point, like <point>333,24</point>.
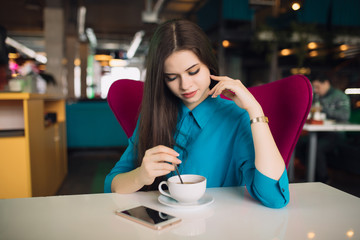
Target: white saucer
<point>204,201</point>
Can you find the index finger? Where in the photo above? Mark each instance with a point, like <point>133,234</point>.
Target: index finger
<point>220,78</point>
<point>163,149</point>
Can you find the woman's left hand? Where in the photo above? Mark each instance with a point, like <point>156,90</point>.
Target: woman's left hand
<point>236,91</point>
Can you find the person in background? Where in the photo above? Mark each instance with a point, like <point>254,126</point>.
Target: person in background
<point>29,72</point>
<point>333,102</point>
<point>184,121</point>
<point>336,106</point>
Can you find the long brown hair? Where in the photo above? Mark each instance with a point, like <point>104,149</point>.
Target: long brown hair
<point>159,109</point>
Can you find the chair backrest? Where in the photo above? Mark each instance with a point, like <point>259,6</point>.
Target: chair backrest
<point>124,98</point>
<point>285,102</point>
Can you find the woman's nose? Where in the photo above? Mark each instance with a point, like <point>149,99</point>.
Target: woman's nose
<point>185,83</point>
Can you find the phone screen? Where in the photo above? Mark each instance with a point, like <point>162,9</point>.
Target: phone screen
<point>151,217</point>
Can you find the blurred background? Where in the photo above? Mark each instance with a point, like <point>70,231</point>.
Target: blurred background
<point>80,47</point>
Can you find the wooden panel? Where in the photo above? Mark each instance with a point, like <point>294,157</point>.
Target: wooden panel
<point>63,149</point>
<point>56,151</point>
<point>34,131</point>
<point>26,96</point>
<point>50,173</point>
<point>34,164</point>
<point>57,107</point>
<point>15,181</point>
<point>61,153</point>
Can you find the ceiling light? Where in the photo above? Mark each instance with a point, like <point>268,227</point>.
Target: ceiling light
<point>313,53</point>
<point>27,51</point>
<point>225,43</point>
<point>91,36</point>
<point>81,23</point>
<point>352,91</point>
<point>135,44</point>
<point>285,52</point>
<point>344,47</point>
<point>77,62</point>
<point>303,71</point>
<point>295,6</point>
<point>312,45</point>
<point>152,15</point>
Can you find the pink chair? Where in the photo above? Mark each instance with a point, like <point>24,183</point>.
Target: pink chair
<point>124,98</point>
<point>285,102</point>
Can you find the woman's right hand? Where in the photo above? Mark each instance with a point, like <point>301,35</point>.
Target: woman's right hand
<point>157,161</point>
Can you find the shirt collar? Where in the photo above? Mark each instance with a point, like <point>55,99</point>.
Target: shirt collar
<point>329,92</point>
<point>203,112</point>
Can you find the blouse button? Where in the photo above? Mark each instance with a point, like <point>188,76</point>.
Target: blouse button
<point>283,189</point>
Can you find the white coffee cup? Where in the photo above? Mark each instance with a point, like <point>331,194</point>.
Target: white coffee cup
<point>192,189</point>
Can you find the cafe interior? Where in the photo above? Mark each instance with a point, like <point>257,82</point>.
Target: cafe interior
<point>78,48</point>
<point>64,65</point>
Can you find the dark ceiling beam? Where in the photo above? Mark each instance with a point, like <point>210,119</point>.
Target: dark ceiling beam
<point>54,3</point>
<point>238,35</point>
<point>195,8</point>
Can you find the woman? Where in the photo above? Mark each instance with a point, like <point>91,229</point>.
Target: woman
<point>184,121</point>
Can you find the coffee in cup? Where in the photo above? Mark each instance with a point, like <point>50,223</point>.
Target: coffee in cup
<point>190,191</point>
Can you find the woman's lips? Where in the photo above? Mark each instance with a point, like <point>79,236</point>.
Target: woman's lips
<point>189,94</point>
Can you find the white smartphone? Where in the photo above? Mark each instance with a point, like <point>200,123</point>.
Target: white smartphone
<point>148,217</point>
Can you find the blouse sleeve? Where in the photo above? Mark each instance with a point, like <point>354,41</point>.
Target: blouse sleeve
<point>125,164</point>
<point>271,193</point>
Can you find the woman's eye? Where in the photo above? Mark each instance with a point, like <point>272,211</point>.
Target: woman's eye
<point>194,72</point>
<point>170,78</point>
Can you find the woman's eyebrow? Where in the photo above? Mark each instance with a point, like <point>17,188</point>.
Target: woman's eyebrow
<point>191,67</point>
<point>185,69</point>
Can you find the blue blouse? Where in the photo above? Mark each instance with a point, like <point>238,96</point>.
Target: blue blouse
<point>215,141</point>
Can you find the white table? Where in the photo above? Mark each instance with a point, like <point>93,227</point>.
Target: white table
<point>313,129</point>
<point>315,211</point>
